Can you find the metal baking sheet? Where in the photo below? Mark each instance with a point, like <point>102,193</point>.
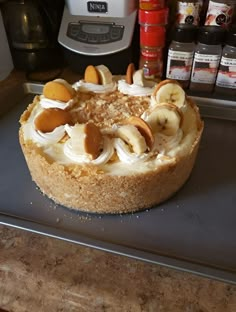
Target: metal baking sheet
<point>193,231</point>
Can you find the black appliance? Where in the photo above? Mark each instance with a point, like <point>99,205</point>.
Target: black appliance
<point>32,28</point>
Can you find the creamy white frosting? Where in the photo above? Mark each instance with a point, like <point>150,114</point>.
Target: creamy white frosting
<point>41,138</point>
<point>49,137</point>
<point>121,168</point>
<point>64,82</point>
<point>164,143</point>
<point>165,149</point>
<point>103,158</point>
<point>64,153</point>
<point>83,86</point>
<point>133,89</point>
<point>153,102</point>
<point>48,103</point>
<point>125,155</point>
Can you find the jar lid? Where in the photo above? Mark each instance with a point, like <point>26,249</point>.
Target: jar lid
<point>151,5</point>
<point>212,35</point>
<point>231,37</point>
<point>158,17</point>
<point>185,33</point>
<point>152,36</point>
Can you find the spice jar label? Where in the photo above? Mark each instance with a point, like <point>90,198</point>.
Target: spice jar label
<point>152,70</point>
<point>179,65</point>
<point>226,77</point>
<point>188,13</point>
<point>205,68</point>
<point>219,14</point>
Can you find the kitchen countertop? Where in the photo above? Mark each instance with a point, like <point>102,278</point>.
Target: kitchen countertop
<point>38,273</point>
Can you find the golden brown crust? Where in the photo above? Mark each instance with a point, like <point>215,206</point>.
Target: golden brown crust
<point>24,117</point>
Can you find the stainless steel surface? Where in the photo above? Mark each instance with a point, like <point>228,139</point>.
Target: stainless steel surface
<point>216,108</point>
<point>33,88</point>
<point>193,231</point>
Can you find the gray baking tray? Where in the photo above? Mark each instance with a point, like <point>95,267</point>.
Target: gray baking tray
<point>193,231</point>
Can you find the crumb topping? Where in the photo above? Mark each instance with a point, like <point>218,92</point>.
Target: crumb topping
<point>107,109</point>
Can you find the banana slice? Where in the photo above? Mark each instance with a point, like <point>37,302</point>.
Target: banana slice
<point>138,78</point>
<point>86,139</point>
<point>125,155</point>
<point>169,91</point>
<point>131,135</point>
<point>165,118</point>
<point>105,76</point>
<point>143,128</point>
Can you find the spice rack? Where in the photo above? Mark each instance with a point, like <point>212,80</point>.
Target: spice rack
<point>214,15</point>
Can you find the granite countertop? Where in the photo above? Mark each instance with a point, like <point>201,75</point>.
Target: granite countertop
<point>38,273</point>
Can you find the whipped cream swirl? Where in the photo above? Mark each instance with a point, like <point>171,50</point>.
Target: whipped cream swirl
<point>49,137</point>
<point>83,86</point>
<point>104,157</point>
<point>125,155</point>
<point>134,89</point>
<point>48,103</point>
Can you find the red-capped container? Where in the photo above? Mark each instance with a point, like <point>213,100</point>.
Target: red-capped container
<point>153,18</point>
<point>153,36</point>
<point>152,40</point>
<point>151,4</point>
<point>152,27</point>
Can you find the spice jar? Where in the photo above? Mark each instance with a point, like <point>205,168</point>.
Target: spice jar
<point>152,41</point>
<point>188,12</point>
<point>220,13</point>
<point>151,60</point>
<point>226,77</point>
<point>180,54</point>
<point>207,58</point>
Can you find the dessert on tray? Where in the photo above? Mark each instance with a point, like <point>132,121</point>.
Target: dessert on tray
<point>110,144</point>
